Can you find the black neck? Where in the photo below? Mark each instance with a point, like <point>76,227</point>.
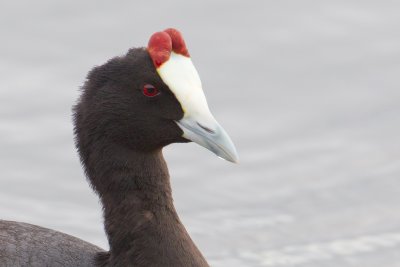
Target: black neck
<point>141,223</point>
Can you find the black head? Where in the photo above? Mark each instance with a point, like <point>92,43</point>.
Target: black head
<point>126,102</point>
<point>145,100</point>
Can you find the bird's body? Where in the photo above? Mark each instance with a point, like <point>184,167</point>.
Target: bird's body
<point>130,108</point>
<point>27,245</point>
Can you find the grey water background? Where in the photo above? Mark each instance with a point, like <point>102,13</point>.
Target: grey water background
<point>308,91</point>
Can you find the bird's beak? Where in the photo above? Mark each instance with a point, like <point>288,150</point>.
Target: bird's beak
<point>209,135</point>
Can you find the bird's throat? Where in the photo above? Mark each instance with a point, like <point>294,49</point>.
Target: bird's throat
<point>141,223</point>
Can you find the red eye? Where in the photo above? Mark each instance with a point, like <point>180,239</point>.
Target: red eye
<point>150,91</point>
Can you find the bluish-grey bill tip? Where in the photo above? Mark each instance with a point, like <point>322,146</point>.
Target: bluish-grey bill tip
<point>213,137</point>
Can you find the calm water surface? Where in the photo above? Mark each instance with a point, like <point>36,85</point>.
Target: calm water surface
<point>309,92</point>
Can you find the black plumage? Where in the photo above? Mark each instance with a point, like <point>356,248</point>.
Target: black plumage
<point>120,134</point>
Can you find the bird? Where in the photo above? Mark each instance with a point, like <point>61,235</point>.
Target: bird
<point>129,109</point>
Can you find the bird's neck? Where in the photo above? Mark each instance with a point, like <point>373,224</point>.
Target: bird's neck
<point>141,223</point>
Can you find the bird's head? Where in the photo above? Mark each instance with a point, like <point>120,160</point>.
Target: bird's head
<point>149,98</point>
